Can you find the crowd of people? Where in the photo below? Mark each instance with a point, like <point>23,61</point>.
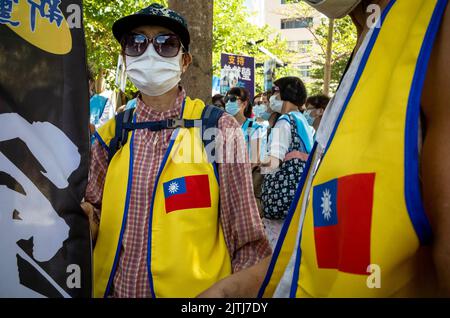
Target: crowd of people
<point>278,128</point>
<point>168,229</point>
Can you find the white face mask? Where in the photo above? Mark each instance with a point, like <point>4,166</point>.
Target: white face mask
<point>335,9</point>
<point>276,104</point>
<point>153,74</point>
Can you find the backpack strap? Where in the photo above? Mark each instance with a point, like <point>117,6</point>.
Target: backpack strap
<point>161,124</point>
<point>210,119</point>
<point>121,134</point>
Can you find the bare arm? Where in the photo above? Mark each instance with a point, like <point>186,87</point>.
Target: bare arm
<point>243,284</point>
<point>435,165</point>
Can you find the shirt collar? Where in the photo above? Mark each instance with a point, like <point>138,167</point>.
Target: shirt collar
<point>148,113</point>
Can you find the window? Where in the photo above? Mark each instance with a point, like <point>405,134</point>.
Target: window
<point>304,70</point>
<point>304,46</point>
<point>299,46</point>
<point>296,23</point>
<point>292,46</point>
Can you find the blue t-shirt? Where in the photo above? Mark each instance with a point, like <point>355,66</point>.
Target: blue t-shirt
<point>97,107</point>
<point>131,104</point>
<point>251,130</point>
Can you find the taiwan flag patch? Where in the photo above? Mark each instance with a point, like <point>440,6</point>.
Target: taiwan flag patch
<point>342,223</point>
<point>184,193</point>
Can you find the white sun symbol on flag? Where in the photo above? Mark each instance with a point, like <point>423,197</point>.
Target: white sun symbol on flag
<point>326,205</point>
<point>173,187</point>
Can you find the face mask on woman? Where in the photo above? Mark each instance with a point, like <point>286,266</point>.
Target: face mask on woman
<point>308,117</point>
<point>232,108</point>
<point>259,110</point>
<point>276,104</point>
<point>266,115</point>
<point>153,74</point>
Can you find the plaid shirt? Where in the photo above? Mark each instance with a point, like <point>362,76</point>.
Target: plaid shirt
<point>242,226</point>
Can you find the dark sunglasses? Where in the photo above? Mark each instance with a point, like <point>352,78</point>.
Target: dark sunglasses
<point>166,45</point>
<point>230,98</point>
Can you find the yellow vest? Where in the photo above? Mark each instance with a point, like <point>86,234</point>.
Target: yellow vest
<point>357,224</point>
<point>187,252</point>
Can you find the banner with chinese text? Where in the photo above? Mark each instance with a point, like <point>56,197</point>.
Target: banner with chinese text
<point>45,247</point>
<point>237,71</point>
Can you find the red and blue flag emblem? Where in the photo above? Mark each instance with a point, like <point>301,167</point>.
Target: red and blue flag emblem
<point>184,193</point>
<point>342,223</point>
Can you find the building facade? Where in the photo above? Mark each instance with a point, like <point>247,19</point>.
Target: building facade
<point>294,22</point>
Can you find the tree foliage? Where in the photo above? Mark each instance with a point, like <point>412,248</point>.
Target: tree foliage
<point>344,41</point>
<point>232,33</point>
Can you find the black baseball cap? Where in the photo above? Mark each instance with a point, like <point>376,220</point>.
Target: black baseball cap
<point>155,14</point>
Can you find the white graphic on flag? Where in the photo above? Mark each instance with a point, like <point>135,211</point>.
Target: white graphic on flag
<point>326,205</point>
<point>31,215</point>
<point>173,187</point>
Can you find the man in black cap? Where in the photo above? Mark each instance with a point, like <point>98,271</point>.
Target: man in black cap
<point>166,230</point>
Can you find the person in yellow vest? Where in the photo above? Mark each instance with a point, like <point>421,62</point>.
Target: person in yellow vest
<point>372,215</point>
<point>171,219</point>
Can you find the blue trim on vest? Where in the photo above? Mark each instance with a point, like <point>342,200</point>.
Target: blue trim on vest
<point>287,223</point>
<point>150,226</point>
<point>150,223</point>
<point>101,141</point>
<point>362,66</point>
<point>358,75</point>
<point>298,257</point>
<point>216,172</point>
<point>293,207</point>
<point>413,195</point>
<point>182,108</point>
<point>296,274</point>
<point>124,219</point>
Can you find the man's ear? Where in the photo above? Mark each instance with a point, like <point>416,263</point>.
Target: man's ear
<point>187,60</point>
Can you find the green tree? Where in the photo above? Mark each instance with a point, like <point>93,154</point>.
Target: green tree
<point>232,33</point>
<point>344,41</point>
<point>199,16</point>
<point>329,59</point>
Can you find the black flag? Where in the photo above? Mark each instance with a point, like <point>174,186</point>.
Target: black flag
<point>45,248</point>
